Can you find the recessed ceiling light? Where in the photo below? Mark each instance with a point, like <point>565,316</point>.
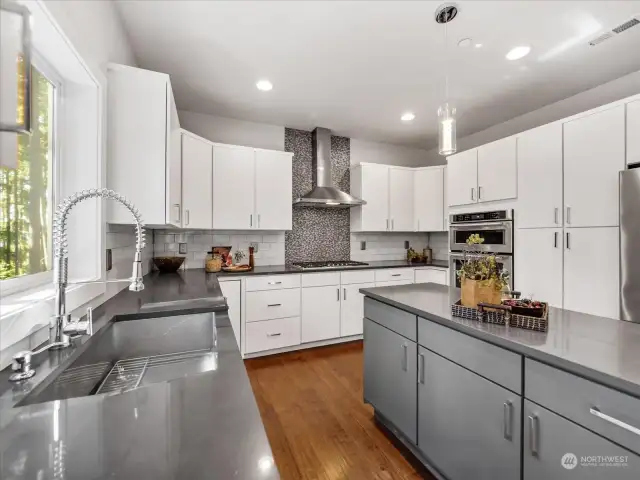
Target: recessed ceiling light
<point>407,117</point>
<point>518,52</point>
<point>478,45</point>
<point>264,85</point>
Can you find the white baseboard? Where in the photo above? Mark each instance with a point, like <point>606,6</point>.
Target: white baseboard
<point>303,346</point>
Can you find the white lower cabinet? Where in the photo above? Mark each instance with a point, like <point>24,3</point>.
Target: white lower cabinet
<point>592,271</point>
<point>352,309</point>
<point>231,292</point>
<point>432,275</point>
<point>272,334</point>
<point>320,313</point>
<point>538,264</point>
<point>269,304</point>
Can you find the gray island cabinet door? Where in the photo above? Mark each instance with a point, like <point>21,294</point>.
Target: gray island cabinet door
<point>558,449</point>
<point>390,371</point>
<point>468,427</point>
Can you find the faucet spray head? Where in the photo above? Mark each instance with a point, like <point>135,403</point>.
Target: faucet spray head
<point>136,284</point>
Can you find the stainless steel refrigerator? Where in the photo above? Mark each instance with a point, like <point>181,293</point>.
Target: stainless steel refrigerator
<point>630,245</point>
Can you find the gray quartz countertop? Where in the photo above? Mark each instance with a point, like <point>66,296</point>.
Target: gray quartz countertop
<point>204,426</point>
<point>281,269</point>
<point>601,349</point>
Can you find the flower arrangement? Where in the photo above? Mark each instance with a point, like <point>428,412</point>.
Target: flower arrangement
<point>481,277</point>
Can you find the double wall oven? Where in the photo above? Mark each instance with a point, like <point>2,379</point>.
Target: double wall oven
<point>495,227</point>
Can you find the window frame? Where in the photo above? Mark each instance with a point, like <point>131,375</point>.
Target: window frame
<point>12,286</point>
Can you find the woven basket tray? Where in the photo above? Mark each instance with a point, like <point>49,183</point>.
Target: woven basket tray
<point>501,315</point>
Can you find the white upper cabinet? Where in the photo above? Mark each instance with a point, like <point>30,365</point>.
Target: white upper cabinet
<point>273,190</point>
<point>497,170</point>
<point>144,161</point>
<point>540,177</point>
<point>251,188</point>
<point>462,178</point>
<point>428,191</point>
<point>401,199</point>
<point>594,154</point>
<point>370,182</point>
<point>633,132</point>
<point>197,191</point>
<point>592,271</point>
<point>233,188</point>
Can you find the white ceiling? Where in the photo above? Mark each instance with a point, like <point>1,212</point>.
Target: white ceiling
<point>356,66</point>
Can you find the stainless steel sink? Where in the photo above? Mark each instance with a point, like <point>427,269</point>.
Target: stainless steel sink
<point>130,354</point>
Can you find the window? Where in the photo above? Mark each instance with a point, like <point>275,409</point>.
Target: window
<point>27,193</point>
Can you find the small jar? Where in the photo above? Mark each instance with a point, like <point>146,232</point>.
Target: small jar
<point>213,262</point>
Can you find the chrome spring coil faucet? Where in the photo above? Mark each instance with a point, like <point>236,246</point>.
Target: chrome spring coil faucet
<point>61,326</point>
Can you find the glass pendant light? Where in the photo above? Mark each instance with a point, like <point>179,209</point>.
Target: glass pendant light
<point>446,112</point>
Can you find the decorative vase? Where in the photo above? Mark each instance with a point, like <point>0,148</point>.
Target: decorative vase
<point>479,291</point>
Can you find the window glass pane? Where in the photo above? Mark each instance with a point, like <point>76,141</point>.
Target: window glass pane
<point>26,192</point>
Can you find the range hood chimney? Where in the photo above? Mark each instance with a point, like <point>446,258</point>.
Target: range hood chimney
<point>324,194</point>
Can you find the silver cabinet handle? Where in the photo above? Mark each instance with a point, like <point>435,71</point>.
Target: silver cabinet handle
<point>186,217</point>
<point>177,207</point>
<point>615,421</point>
<point>555,239</point>
<point>568,215</point>
<point>338,294</point>
<point>274,283</point>
<point>274,334</point>
<point>568,244</point>
<point>344,293</point>
<point>251,219</point>
<point>405,358</point>
<point>555,215</point>
<point>533,435</point>
<point>507,419</point>
<point>387,224</point>
<point>396,274</point>
<point>421,368</point>
<point>258,220</point>
<point>392,226</point>
<point>479,192</point>
<point>274,305</point>
<point>473,194</point>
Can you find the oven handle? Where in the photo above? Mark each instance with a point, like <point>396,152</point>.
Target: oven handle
<point>481,226</point>
<point>460,256</point>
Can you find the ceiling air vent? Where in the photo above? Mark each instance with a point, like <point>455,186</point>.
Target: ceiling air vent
<point>626,25</point>
<point>615,31</point>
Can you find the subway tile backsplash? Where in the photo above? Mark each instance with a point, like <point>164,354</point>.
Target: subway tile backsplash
<point>439,243</point>
<point>199,242</point>
<point>385,246</point>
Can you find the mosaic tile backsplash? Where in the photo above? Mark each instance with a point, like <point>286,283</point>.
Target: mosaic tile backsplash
<point>318,233</point>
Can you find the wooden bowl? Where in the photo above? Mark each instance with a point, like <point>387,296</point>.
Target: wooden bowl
<point>168,264</point>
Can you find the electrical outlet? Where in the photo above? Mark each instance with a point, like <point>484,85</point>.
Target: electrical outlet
<point>255,246</point>
<point>182,248</point>
<point>406,244</point>
<point>363,245</point>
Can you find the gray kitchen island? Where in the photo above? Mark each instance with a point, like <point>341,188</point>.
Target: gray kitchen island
<point>484,401</point>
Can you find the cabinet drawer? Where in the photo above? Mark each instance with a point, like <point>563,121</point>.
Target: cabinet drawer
<point>399,321</point>
<point>269,304</point>
<point>489,361</point>
<point>364,276</point>
<point>574,397</point>
<point>271,334</point>
<point>320,279</point>
<point>272,282</point>
<point>432,275</point>
<point>393,274</point>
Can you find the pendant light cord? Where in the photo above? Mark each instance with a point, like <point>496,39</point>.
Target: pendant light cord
<point>446,61</point>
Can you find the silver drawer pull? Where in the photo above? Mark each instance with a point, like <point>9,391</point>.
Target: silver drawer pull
<point>405,358</point>
<point>507,419</point>
<point>274,305</point>
<point>396,274</point>
<point>533,435</point>
<point>274,334</point>
<point>274,283</point>
<point>421,368</point>
<point>615,421</point>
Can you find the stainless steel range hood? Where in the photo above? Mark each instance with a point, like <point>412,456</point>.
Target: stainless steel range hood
<point>324,194</point>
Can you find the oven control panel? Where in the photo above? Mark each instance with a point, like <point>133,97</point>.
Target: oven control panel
<point>481,216</point>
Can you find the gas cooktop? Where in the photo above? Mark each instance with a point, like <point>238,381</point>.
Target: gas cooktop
<point>327,265</point>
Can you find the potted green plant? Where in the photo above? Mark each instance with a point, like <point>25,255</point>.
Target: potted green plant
<point>481,278</point>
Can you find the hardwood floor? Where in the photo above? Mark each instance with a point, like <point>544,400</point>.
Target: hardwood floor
<point>317,424</point>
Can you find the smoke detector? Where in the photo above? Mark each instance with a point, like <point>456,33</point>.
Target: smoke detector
<point>623,27</point>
